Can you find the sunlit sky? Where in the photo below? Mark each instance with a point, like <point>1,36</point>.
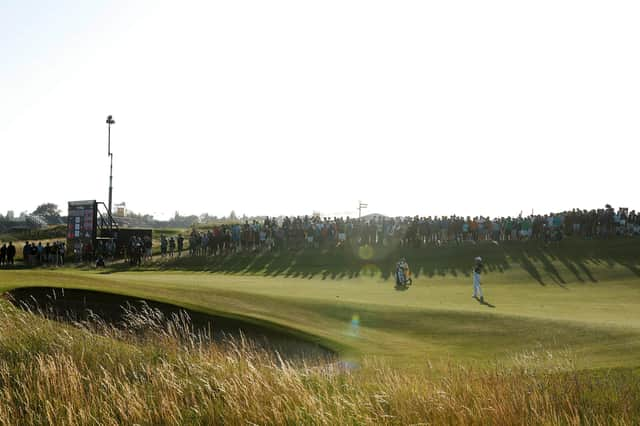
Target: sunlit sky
<point>290,107</point>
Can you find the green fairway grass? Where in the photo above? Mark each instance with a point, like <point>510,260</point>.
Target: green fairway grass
<point>581,298</point>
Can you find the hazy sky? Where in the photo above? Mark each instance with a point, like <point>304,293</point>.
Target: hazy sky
<point>290,107</point>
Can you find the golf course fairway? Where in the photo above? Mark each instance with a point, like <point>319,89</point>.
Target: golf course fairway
<point>581,299</point>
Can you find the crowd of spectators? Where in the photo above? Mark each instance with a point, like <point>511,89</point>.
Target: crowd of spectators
<point>316,232</point>
<point>137,250</point>
<point>170,246</point>
<point>50,254</point>
<point>311,231</point>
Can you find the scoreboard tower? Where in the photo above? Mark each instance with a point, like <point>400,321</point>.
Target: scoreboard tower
<point>82,223</point>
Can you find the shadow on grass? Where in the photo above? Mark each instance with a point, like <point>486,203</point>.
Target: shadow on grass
<point>484,302</point>
<point>541,262</point>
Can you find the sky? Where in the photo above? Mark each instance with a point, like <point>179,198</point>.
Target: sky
<point>294,107</point>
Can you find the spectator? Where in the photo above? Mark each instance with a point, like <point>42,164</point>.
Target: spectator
<point>180,244</point>
<point>11,253</point>
<point>172,246</point>
<point>163,245</point>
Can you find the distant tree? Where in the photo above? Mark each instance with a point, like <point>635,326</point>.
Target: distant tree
<point>47,210</point>
<point>232,215</point>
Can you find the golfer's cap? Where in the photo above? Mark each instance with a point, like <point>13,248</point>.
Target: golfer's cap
<point>478,259</point>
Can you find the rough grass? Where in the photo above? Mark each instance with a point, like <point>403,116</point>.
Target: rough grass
<point>59,374</point>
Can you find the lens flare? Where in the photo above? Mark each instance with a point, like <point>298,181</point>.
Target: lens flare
<point>355,320</point>
<point>370,270</point>
<point>354,329</point>
<point>366,252</point>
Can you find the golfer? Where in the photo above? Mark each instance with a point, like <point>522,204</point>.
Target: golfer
<point>477,290</point>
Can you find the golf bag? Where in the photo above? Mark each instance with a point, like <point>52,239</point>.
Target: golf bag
<point>403,275</point>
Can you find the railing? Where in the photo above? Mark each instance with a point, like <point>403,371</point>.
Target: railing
<point>107,226</point>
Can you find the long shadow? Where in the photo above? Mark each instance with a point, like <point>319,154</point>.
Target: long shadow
<point>548,266</point>
<point>631,267</point>
<point>572,267</point>
<point>538,260</point>
<point>484,302</point>
<point>519,255</point>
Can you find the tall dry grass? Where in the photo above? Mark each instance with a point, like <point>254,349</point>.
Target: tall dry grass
<point>160,372</point>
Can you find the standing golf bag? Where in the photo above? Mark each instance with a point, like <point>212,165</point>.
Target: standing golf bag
<point>403,275</point>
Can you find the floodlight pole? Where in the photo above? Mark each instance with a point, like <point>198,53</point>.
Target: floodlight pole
<point>110,121</point>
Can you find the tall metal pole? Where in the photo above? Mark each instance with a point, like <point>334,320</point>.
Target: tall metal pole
<point>110,121</point>
<point>110,182</point>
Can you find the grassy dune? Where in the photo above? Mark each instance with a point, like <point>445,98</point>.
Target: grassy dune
<point>53,373</point>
